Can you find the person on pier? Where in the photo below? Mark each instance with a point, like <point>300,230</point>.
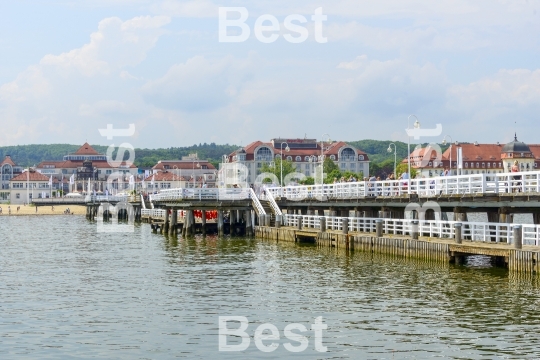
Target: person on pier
<point>516,184</point>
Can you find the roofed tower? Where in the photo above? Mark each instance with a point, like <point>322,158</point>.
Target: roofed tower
<point>517,151</point>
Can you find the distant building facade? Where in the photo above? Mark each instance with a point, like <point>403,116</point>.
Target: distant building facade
<point>477,158</point>
<point>8,170</point>
<point>188,172</point>
<point>304,153</point>
<point>29,185</point>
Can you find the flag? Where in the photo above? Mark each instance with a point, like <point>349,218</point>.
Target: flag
<point>72,179</point>
<point>152,180</point>
<point>146,173</point>
<point>142,183</point>
<point>50,181</point>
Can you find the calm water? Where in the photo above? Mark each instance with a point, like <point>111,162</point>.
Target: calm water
<point>70,292</point>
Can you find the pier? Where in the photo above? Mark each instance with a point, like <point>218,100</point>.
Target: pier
<point>363,216</point>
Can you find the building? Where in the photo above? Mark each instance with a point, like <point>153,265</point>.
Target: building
<point>86,163</point>
<point>304,153</point>
<point>28,185</point>
<point>8,170</point>
<point>191,169</point>
<point>477,158</point>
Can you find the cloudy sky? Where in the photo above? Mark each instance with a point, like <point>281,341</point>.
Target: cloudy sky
<point>70,67</point>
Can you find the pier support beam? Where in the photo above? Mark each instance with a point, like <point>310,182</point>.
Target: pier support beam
<point>345,225</point>
<point>322,224</point>
<point>249,228</point>
<point>457,233</point>
<point>415,230</point>
<point>518,243</point>
<point>378,228</point>
<point>174,221</point>
<point>279,220</point>
<point>220,223</point>
<point>203,222</point>
<point>320,212</point>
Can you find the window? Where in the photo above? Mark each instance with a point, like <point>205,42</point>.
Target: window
<point>332,157</point>
<point>348,154</point>
<point>483,165</point>
<point>430,163</point>
<point>289,158</point>
<point>466,172</point>
<point>108,172</point>
<point>278,156</point>
<point>489,165</point>
<point>352,166</point>
<point>360,157</point>
<point>264,154</point>
<point>478,165</point>
<point>343,165</point>
<point>298,158</point>
<point>306,158</point>
<point>466,164</point>
<point>18,196</point>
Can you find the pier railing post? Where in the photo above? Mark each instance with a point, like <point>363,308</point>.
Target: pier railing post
<point>518,240</point>
<point>220,223</point>
<point>322,224</point>
<point>300,222</point>
<point>457,233</point>
<point>345,225</point>
<point>378,227</point>
<point>414,230</point>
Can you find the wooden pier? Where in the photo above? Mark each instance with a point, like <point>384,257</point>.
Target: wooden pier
<point>524,259</point>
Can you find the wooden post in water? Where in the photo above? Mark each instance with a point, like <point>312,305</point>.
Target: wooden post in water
<point>345,225</point>
<point>518,241</point>
<point>220,223</point>
<point>203,222</point>
<point>457,233</point>
<point>278,221</point>
<point>174,221</point>
<point>414,232</point>
<point>300,223</point>
<point>247,218</point>
<point>322,223</point>
<point>378,228</point>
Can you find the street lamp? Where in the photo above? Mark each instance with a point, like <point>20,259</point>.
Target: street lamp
<point>322,155</point>
<point>287,149</point>
<point>395,157</point>
<point>444,142</point>
<point>416,126</point>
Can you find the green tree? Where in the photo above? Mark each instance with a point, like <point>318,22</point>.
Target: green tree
<point>275,168</point>
<point>329,165</point>
<point>403,168</point>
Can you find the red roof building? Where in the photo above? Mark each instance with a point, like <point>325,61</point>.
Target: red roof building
<point>304,153</point>
<point>476,158</point>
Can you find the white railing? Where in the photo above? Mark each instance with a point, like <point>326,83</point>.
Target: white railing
<point>474,231</point>
<point>268,196</point>
<point>154,213</point>
<point>523,182</point>
<point>201,194</point>
<point>256,203</point>
<point>107,198</point>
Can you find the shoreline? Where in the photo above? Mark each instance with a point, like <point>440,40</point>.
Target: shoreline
<point>26,210</point>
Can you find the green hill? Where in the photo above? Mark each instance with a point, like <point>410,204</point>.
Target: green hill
<point>28,155</point>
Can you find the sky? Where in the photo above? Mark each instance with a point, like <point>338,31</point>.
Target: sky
<point>71,67</point>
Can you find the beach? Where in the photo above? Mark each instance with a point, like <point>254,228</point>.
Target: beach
<point>41,210</point>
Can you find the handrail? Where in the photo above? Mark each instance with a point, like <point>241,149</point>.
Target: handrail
<point>256,203</point>
<point>200,194</point>
<point>500,183</point>
<point>475,231</point>
<point>273,203</point>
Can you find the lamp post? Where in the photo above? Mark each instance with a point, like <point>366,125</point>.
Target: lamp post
<point>444,142</point>
<point>322,156</point>
<point>312,159</point>
<point>287,149</point>
<point>416,126</point>
<point>175,175</point>
<point>395,157</point>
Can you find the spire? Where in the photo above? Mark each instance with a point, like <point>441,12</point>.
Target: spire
<point>515,137</point>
